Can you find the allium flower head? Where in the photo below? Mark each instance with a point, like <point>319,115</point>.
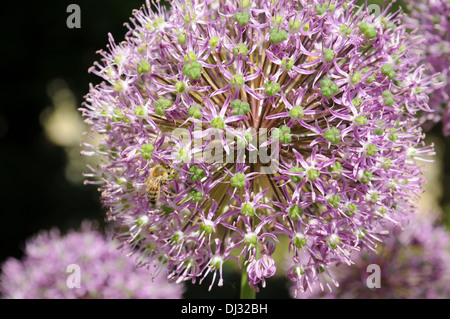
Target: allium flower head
<point>431,18</point>
<point>50,262</point>
<point>414,263</point>
<point>272,118</point>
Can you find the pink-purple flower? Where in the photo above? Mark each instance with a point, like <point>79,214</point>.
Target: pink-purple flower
<point>273,119</point>
<point>413,263</point>
<point>52,261</point>
<point>430,18</point>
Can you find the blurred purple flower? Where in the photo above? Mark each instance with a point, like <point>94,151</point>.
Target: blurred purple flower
<point>431,19</point>
<point>196,88</point>
<point>414,263</point>
<point>105,271</point>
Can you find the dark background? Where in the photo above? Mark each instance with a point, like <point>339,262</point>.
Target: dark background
<point>37,47</point>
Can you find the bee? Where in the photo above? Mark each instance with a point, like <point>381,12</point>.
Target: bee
<point>159,175</point>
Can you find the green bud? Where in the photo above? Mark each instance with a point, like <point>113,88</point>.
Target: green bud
<point>371,150</point>
<point>295,212</point>
<point>179,87</point>
<point>296,178</point>
<point>362,120</point>
<point>237,79</point>
<point>272,88</point>
<point>159,110</point>
<point>214,41</point>
<point>176,239</point>
<point>217,123</point>
<point>146,155</point>
<point>387,93</point>
<point>333,135</point>
<point>299,241</point>
<point>188,17</point>
<point>367,177</point>
<point>326,82</point>
<point>277,35</point>
<point>357,101</point>
<point>278,19</point>
<point>362,233</point>
<point>287,63</point>
<point>239,107</point>
<point>387,69</point>
<point>198,173</point>
<point>389,101</point>
<point>248,210</point>
<point>328,88</point>
<point>294,24</point>
<point>330,6</point>
<point>326,91</point>
<point>297,112</point>
<point>393,137</point>
<point>299,271</point>
<point>337,168</point>
<point>334,88</point>
<point>138,111</point>
<point>240,49</point>
<point>163,104</point>
<point>320,9</point>
<point>190,56</point>
<point>306,28</point>
<point>356,77</point>
<point>282,134</point>
<point>242,18</point>
<point>238,180</point>
<point>335,201</point>
<point>391,75</point>
<point>157,22</point>
<point>118,116</point>
<point>379,131</point>
<point>334,241</point>
<point>329,54</point>
<point>183,155</point>
<point>368,30</point>
<point>391,26</point>
<point>251,239</point>
<point>208,229</point>
<point>181,38</point>
<point>387,163</point>
<point>149,147</point>
<point>313,174</point>
<point>143,66</point>
<point>371,78</point>
<point>195,196</point>
<point>388,98</point>
<point>195,112</point>
<point>346,29</point>
<point>192,70</point>
<point>244,142</point>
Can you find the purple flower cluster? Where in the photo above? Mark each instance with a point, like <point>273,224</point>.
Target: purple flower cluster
<point>431,19</point>
<point>271,118</point>
<point>414,263</point>
<point>105,271</point>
